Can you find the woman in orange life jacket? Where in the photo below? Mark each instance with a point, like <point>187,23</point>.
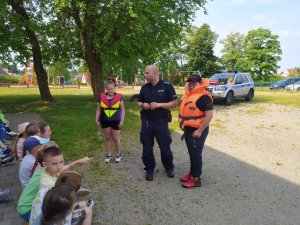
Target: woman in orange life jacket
<point>110,115</point>
<point>195,114</point>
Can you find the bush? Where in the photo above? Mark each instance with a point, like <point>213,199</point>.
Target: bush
<point>8,79</point>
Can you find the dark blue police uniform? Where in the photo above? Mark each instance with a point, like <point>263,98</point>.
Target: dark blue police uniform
<point>155,124</point>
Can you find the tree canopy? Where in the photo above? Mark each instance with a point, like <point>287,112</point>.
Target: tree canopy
<point>232,50</point>
<point>199,50</point>
<point>262,53</point>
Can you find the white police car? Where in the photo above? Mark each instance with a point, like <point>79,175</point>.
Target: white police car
<point>227,85</point>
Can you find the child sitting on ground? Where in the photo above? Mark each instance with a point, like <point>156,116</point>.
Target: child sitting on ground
<point>20,140</point>
<point>53,162</point>
<point>30,130</point>
<point>31,189</point>
<point>45,132</point>
<point>33,146</point>
<point>43,210</point>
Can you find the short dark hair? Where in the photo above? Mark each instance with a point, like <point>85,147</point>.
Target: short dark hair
<point>49,152</point>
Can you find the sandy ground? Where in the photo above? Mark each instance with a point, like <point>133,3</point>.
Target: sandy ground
<point>251,175</point>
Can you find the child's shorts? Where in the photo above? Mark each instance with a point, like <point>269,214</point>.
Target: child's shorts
<point>25,216</point>
<point>113,124</point>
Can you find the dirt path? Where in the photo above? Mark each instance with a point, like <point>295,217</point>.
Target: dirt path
<point>251,175</point>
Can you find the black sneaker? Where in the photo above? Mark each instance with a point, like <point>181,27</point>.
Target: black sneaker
<point>171,173</point>
<point>4,195</point>
<point>7,158</point>
<point>149,175</point>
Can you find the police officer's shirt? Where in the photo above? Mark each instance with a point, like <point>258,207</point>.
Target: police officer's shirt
<point>162,92</point>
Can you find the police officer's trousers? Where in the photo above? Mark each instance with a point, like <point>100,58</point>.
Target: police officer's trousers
<point>160,130</point>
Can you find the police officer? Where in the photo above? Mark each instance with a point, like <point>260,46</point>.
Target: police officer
<point>155,99</point>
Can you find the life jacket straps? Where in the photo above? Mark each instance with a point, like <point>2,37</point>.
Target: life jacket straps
<point>185,118</point>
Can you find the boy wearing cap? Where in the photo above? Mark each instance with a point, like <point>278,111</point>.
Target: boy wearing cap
<point>32,145</point>
<point>195,114</point>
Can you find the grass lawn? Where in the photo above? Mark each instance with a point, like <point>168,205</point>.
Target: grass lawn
<point>72,115</point>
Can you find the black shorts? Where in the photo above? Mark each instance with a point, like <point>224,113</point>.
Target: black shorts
<point>113,124</point>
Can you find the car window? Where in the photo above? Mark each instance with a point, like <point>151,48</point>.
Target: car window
<point>250,78</point>
<point>239,79</point>
<point>223,78</point>
<point>244,78</point>
<point>283,81</point>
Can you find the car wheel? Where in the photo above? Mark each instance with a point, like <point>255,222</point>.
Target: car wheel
<point>229,98</point>
<point>250,95</point>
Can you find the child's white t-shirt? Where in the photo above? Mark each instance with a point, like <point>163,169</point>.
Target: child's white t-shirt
<point>47,181</point>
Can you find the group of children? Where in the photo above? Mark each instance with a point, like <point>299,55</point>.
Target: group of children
<point>50,188</point>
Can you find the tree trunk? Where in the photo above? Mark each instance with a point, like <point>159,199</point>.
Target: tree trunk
<point>89,52</point>
<point>41,74</point>
<point>94,63</point>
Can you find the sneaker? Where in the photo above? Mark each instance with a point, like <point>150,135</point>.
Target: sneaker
<point>6,150</point>
<point>7,158</point>
<point>149,175</point>
<point>90,203</point>
<point>6,142</point>
<point>118,158</point>
<point>192,182</point>
<point>4,195</point>
<point>171,173</point>
<point>107,158</point>
<point>12,133</point>
<point>186,177</point>
<point>83,192</point>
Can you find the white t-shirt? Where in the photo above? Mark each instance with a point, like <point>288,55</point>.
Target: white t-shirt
<point>36,210</point>
<point>25,169</point>
<point>47,181</point>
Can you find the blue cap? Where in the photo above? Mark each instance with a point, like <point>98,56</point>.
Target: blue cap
<point>30,143</point>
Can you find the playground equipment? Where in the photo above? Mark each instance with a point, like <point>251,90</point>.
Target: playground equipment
<point>29,77</point>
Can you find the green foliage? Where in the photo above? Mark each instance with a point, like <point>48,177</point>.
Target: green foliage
<point>126,35</point>
<point>113,37</point>
<point>199,50</point>
<point>232,50</point>
<point>8,79</point>
<point>262,54</point>
<point>59,69</point>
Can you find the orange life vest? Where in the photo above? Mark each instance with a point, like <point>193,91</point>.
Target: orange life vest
<point>189,114</point>
<point>110,109</point>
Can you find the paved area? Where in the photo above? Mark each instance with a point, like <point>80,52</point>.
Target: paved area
<point>9,175</point>
<point>9,180</point>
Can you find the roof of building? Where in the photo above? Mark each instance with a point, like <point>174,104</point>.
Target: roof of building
<point>3,72</point>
